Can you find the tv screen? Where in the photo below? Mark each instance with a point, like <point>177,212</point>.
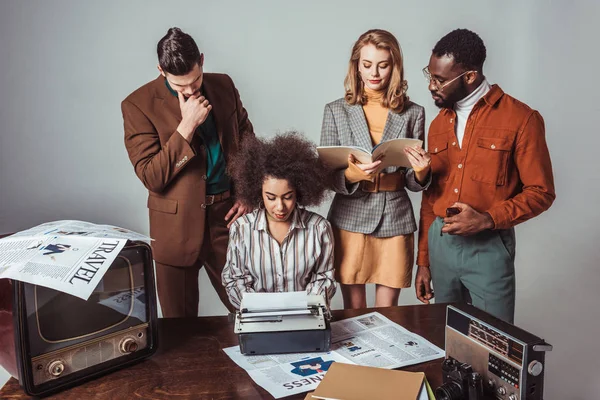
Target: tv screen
<point>60,319</point>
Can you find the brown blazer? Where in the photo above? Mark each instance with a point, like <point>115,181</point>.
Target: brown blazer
<point>173,170</point>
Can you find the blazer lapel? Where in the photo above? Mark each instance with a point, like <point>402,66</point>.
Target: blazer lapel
<point>170,103</point>
<point>393,126</point>
<point>218,108</point>
<point>359,127</point>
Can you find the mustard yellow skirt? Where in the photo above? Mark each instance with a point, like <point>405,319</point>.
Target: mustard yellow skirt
<point>361,259</point>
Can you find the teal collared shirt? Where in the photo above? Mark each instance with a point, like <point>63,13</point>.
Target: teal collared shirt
<point>217,180</point>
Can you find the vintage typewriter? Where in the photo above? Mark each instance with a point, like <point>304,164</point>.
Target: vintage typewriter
<point>284,329</point>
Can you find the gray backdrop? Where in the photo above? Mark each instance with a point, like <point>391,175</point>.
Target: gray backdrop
<point>66,65</point>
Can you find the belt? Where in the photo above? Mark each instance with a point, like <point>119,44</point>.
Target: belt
<point>215,198</point>
<point>384,183</point>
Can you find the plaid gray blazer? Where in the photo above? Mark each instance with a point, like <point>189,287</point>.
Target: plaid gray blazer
<point>382,214</point>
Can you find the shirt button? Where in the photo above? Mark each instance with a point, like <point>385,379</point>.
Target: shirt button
<point>455,190</point>
<point>451,119</point>
<point>493,146</point>
<point>459,166</point>
<point>453,143</point>
<point>435,150</point>
<point>204,177</point>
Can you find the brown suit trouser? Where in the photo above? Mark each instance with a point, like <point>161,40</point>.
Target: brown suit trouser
<point>178,286</point>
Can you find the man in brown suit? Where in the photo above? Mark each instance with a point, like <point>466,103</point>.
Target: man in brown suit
<point>180,129</point>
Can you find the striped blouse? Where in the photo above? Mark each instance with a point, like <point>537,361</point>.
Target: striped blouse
<point>257,263</point>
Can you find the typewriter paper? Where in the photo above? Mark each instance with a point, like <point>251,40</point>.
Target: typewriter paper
<point>257,302</point>
<point>370,339</point>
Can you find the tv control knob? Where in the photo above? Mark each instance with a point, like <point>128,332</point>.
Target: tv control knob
<point>128,345</point>
<point>491,383</point>
<point>502,390</point>
<point>512,397</point>
<point>535,368</point>
<point>56,368</point>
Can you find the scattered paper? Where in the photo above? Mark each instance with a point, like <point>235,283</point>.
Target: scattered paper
<point>370,339</point>
<point>286,374</point>
<point>68,256</point>
<point>81,228</point>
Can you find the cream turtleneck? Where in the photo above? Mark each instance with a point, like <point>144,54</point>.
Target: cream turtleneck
<point>464,107</point>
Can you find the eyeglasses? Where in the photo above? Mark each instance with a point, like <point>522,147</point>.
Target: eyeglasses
<point>439,87</point>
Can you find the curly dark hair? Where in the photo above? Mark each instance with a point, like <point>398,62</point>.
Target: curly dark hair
<point>288,156</point>
<point>465,46</point>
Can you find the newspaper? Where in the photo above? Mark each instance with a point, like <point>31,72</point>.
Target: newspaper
<point>68,256</point>
<point>81,228</point>
<point>375,341</point>
<point>370,339</point>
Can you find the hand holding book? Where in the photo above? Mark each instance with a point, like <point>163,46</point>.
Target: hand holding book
<point>357,171</point>
<point>390,153</point>
<point>420,160</point>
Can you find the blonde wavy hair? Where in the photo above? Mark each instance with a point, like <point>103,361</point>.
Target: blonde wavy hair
<point>395,97</point>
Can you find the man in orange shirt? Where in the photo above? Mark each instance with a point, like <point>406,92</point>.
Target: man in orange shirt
<point>491,171</point>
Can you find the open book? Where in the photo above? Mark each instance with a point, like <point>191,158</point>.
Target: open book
<point>391,153</point>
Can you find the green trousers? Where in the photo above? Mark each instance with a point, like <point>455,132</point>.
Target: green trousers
<point>477,269</point>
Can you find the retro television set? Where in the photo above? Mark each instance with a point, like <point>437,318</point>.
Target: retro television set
<point>51,340</point>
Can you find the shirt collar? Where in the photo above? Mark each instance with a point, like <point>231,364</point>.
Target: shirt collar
<point>468,102</point>
<point>492,97</point>
<point>296,219</point>
<point>173,92</point>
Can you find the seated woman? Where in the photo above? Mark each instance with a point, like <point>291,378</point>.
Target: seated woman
<point>280,247</point>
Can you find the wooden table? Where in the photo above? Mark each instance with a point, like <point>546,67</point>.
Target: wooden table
<point>190,363</point>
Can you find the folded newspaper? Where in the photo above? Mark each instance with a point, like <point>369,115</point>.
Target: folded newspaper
<point>69,256</point>
<point>370,339</point>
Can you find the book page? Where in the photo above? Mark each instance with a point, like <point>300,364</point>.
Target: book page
<point>392,154</point>
<point>336,157</point>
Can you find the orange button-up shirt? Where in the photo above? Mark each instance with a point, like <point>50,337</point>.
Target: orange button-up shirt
<point>503,167</point>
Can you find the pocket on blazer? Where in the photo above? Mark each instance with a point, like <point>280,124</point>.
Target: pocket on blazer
<point>159,204</point>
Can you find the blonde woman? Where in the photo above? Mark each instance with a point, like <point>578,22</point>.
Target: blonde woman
<point>371,214</point>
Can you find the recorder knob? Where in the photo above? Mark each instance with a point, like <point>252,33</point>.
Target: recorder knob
<point>128,345</point>
<point>512,397</point>
<point>535,368</point>
<point>56,368</point>
<point>502,390</point>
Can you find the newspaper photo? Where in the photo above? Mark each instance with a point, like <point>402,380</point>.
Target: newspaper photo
<point>286,374</point>
<point>370,339</point>
<point>68,256</point>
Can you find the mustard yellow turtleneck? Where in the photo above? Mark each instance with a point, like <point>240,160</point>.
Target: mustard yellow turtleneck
<point>375,113</point>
